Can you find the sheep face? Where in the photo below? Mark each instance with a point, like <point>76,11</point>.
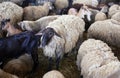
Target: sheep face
<point>4,24</point>
<point>46,36</point>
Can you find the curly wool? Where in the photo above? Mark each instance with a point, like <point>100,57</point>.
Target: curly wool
<point>107,31</point>
<point>53,74</point>
<point>12,11</point>
<point>33,13</point>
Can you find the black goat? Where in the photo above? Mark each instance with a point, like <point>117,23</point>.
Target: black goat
<point>16,45</point>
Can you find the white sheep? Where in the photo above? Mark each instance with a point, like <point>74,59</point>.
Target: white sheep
<point>116,17</point>
<point>60,4</point>
<point>113,9</point>
<point>97,61</point>
<point>107,31</point>
<point>94,60</point>
<point>53,74</point>
<point>106,70</point>
<point>61,36</point>
<point>115,74</point>
<point>88,46</point>
<point>4,74</point>
<point>12,11</point>
<point>36,12</point>
<point>87,2</point>
<point>20,66</point>
<point>38,24</point>
<point>100,16</point>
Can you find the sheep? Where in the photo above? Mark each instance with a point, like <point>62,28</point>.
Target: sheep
<point>38,24</point>
<point>116,17</point>
<point>107,31</point>
<point>12,11</point>
<point>61,4</point>
<point>88,46</point>
<point>87,15</point>
<point>61,36</point>
<point>33,13</point>
<point>4,74</point>
<point>115,74</point>
<point>87,2</point>
<point>72,11</point>
<point>11,30</point>
<point>18,44</point>
<point>62,7</point>
<point>20,66</point>
<point>53,74</point>
<point>106,70</point>
<point>96,59</point>
<point>113,9</point>
<point>100,16</point>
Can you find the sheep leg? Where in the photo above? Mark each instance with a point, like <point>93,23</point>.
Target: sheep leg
<point>57,63</point>
<point>50,64</point>
<point>35,59</point>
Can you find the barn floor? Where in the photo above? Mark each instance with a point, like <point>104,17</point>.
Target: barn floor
<point>67,67</point>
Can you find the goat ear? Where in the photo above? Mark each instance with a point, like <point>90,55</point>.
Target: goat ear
<point>39,33</point>
<point>57,34</point>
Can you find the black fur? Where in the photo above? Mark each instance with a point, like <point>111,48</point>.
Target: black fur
<point>16,45</point>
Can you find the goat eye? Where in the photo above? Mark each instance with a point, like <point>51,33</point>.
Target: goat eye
<point>50,33</point>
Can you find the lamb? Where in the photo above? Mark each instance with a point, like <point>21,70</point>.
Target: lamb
<point>107,31</point>
<point>33,13</point>
<point>38,24</point>
<point>88,46</point>
<point>4,74</point>
<point>61,36</point>
<point>11,30</point>
<point>12,11</point>
<point>53,74</point>
<point>20,66</point>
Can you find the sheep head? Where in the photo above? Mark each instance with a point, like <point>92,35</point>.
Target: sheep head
<point>46,36</point>
<point>4,23</point>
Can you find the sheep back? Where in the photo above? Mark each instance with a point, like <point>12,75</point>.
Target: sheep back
<point>70,28</point>
<point>20,66</point>
<point>4,74</point>
<point>60,4</point>
<point>88,2</point>
<point>53,74</point>
<point>12,11</point>
<point>33,13</point>
<point>88,46</point>
<point>107,31</point>
<point>100,16</point>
